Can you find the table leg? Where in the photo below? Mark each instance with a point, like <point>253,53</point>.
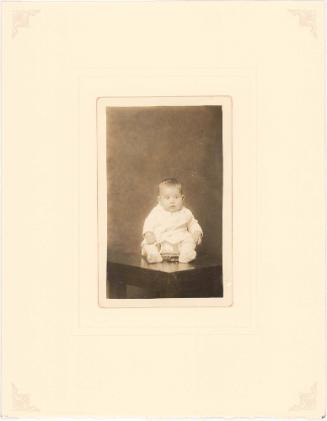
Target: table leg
<point>117,288</point>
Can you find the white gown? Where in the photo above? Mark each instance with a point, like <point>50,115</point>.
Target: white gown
<point>171,227</point>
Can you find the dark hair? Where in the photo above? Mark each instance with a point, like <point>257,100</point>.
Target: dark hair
<point>171,182</point>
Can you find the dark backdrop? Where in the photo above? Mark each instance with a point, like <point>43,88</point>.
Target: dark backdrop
<point>147,144</point>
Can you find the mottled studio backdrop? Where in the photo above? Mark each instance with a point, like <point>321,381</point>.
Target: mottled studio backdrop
<point>147,144</point>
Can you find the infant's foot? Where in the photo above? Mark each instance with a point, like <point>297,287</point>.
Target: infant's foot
<point>154,258</point>
<point>187,257</point>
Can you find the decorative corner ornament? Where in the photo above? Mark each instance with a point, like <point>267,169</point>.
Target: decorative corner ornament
<point>307,400</point>
<point>306,18</point>
<point>21,19</point>
<point>21,401</point>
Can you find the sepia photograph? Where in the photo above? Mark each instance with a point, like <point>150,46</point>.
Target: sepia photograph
<point>164,188</point>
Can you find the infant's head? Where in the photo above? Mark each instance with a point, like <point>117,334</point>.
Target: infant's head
<point>170,195</point>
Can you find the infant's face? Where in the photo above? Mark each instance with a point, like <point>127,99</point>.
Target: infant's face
<point>170,198</point>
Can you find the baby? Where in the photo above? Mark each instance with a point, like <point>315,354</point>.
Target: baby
<point>170,223</point>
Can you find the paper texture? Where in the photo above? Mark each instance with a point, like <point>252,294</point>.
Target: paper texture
<point>63,354</point>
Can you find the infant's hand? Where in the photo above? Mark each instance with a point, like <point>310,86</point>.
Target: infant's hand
<point>197,237</point>
<point>149,237</point>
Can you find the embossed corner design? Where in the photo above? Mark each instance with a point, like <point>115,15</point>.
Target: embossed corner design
<point>306,18</point>
<point>307,400</point>
<point>21,401</point>
<point>21,19</point>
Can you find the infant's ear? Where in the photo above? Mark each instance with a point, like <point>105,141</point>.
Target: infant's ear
<point>183,197</point>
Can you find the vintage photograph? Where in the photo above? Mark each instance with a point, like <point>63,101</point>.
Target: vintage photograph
<point>164,186</point>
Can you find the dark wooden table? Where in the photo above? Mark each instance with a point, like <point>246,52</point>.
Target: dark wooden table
<point>200,278</point>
